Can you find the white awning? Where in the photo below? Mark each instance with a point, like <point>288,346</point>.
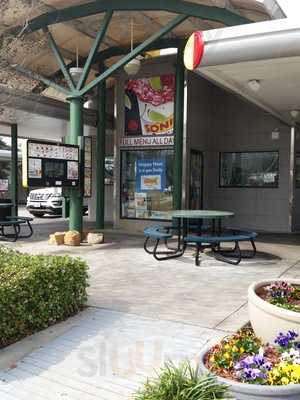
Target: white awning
<point>267,52</point>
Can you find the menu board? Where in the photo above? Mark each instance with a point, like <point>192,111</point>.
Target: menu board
<point>53,151</point>
<point>48,164</point>
<point>87,166</point>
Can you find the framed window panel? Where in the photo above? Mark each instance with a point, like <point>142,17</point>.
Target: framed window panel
<point>249,169</point>
<point>146,183</point>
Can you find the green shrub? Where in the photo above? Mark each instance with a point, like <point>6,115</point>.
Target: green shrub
<point>38,291</point>
<point>182,383</point>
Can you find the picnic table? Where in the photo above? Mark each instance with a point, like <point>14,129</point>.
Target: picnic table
<point>184,216</point>
<point>12,227</point>
<point>202,236</point>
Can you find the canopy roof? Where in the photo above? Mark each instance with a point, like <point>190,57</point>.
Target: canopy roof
<point>74,25</point>
<point>75,29</point>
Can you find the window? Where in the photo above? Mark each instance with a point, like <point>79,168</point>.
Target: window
<point>249,169</point>
<point>146,183</point>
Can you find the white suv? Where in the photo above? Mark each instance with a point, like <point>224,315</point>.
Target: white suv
<point>46,201</point>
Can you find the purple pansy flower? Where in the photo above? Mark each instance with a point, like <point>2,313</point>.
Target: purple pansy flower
<point>253,369</point>
<point>285,340</point>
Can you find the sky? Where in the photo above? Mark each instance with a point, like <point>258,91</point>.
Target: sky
<point>290,7</point>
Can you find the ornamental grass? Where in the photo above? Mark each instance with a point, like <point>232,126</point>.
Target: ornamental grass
<point>182,383</point>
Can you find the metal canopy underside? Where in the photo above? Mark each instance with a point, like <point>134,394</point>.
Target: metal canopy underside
<point>269,53</point>
<point>74,25</point>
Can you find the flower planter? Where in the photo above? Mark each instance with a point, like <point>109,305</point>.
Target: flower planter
<point>246,391</point>
<point>267,319</point>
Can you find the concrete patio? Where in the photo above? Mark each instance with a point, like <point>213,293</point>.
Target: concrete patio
<point>142,312</point>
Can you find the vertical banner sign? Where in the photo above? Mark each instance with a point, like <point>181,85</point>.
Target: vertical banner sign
<point>149,106</point>
<point>151,175</point>
<point>87,166</point>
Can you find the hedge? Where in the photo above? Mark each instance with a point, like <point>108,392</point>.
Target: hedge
<point>38,291</point>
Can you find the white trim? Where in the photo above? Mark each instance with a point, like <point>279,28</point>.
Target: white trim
<point>261,41</point>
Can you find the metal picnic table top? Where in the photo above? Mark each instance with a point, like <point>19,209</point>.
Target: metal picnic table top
<point>200,214</point>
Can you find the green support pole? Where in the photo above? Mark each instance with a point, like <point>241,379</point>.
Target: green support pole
<point>14,168</point>
<point>178,130</point>
<point>100,156</point>
<point>76,131</point>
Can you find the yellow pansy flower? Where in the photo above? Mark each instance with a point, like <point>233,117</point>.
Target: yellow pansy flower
<point>285,381</point>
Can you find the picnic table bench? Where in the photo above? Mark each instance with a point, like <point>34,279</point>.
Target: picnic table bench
<point>16,223</point>
<point>231,256</point>
<point>158,233</point>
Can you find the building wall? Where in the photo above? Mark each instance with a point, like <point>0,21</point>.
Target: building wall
<point>235,125</point>
<point>199,125</point>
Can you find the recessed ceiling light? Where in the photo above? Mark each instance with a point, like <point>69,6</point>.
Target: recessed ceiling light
<point>295,114</point>
<point>254,84</point>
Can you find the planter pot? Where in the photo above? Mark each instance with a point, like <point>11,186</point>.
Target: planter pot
<point>245,391</point>
<point>268,320</point>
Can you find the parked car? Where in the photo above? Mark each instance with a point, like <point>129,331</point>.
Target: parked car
<point>46,201</point>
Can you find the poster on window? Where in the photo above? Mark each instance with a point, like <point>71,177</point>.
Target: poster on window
<point>151,175</point>
<point>149,106</point>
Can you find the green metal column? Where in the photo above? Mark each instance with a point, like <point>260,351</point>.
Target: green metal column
<point>178,130</point>
<point>14,168</point>
<point>76,131</point>
<point>100,156</point>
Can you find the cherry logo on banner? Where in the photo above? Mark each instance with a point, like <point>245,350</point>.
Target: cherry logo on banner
<point>194,51</point>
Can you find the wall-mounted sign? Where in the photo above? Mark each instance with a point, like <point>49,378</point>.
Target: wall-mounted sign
<point>149,106</point>
<point>87,166</point>
<point>3,185</point>
<point>151,175</point>
<point>143,141</point>
<point>47,164</point>
<point>194,51</point>
<point>297,170</point>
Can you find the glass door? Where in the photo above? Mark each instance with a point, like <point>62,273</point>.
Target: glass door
<point>196,180</point>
